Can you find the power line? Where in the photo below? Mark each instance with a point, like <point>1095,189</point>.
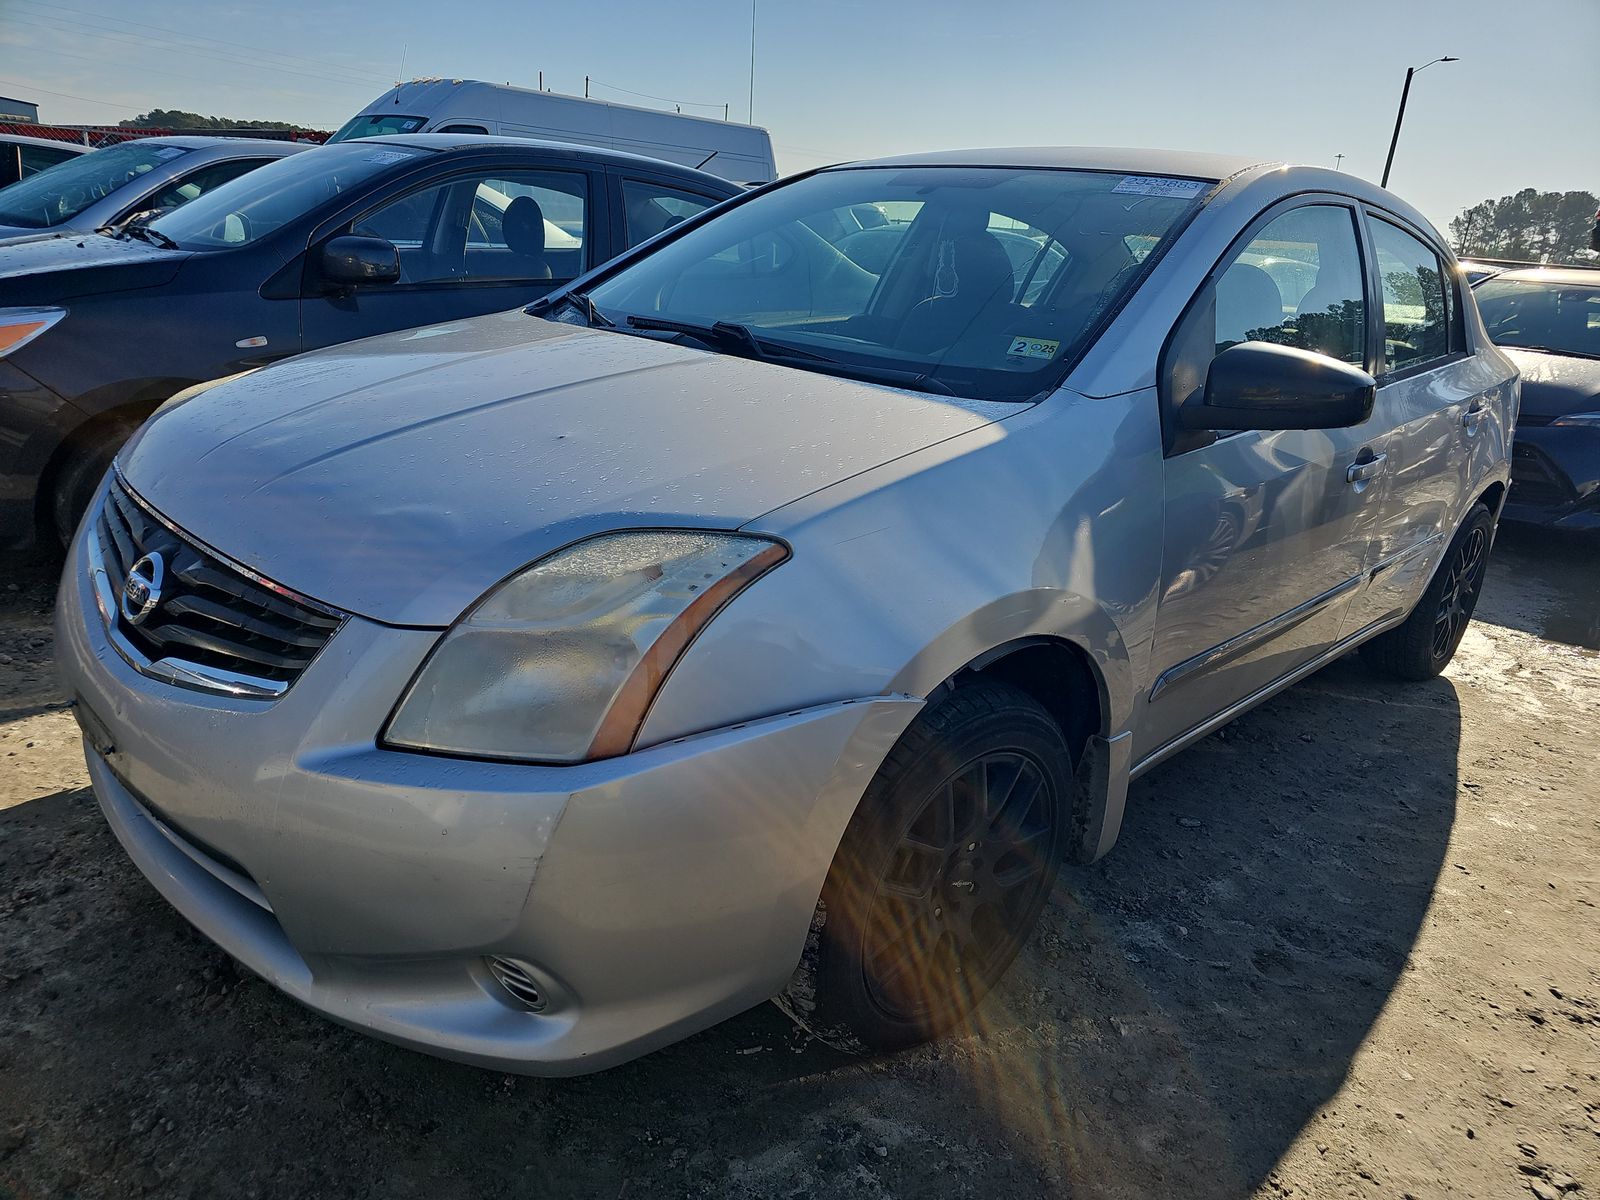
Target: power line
<point>191,78</point>
<point>324,64</point>
<point>124,105</point>
<point>649,96</point>
<point>140,42</point>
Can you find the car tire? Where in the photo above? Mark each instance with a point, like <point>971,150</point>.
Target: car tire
<point>80,474</point>
<point>1422,646</point>
<point>941,875</point>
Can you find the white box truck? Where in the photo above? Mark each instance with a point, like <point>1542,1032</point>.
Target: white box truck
<point>740,153</point>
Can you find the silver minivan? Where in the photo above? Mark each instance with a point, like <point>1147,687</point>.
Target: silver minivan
<point>772,612</point>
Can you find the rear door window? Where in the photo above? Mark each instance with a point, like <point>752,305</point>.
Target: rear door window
<point>197,183</point>
<point>1416,304</point>
<point>36,158</point>
<point>651,208</point>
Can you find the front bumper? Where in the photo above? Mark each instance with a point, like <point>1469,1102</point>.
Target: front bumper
<point>650,895</point>
<point>1555,477</point>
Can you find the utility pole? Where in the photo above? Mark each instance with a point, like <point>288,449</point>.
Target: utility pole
<point>752,117</point>
<point>1400,116</point>
<point>1337,160</point>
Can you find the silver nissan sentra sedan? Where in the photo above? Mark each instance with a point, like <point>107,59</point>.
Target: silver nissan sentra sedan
<point>771,612</point>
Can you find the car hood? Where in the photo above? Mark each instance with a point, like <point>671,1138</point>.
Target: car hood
<point>1554,385</point>
<point>403,476</point>
<point>53,267</point>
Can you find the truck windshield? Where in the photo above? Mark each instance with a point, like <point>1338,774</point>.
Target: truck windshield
<point>252,206</point>
<point>57,194</point>
<point>376,125</point>
<point>978,282</point>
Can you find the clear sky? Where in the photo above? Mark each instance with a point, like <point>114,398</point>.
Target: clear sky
<point>837,79</point>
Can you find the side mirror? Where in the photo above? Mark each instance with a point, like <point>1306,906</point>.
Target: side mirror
<point>1259,385</point>
<point>351,260</point>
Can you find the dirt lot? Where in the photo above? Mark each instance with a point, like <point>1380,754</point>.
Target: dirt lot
<point>1349,946</point>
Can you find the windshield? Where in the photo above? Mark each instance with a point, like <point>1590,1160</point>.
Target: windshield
<point>249,208</point>
<point>1538,315</point>
<point>59,193</point>
<point>376,125</point>
<point>980,282</point>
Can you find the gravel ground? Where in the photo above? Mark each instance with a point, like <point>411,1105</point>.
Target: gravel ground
<point>1346,947</point>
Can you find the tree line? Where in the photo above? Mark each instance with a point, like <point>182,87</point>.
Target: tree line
<point>176,118</point>
<point>1531,226</point>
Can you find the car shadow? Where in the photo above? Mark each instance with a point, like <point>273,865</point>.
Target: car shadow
<point>1186,1008</point>
<point>1566,569</point>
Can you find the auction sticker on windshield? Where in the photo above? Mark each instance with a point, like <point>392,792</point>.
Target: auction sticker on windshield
<point>1026,347</point>
<point>1154,185</point>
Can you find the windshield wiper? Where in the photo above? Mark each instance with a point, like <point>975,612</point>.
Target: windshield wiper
<point>154,236</point>
<point>725,335</point>
<point>579,301</point>
<point>738,339</point>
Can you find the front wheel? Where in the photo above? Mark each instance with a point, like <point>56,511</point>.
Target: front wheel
<point>80,475</point>
<point>941,875</point>
<point>1425,642</point>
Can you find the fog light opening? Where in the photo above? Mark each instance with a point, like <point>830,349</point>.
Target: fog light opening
<point>518,983</point>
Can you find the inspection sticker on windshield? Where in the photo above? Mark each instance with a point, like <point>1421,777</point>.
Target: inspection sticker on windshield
<point>1151,185</point>
<point>170,152</point>
<point>1026,347</point>
<point>385,157</point>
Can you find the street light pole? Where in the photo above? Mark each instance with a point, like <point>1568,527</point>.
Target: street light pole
<point>1400,116</point>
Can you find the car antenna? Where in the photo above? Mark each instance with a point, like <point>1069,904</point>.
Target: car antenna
<point>398,79</point>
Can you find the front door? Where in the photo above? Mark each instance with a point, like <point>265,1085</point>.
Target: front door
<point>1266,532</point>
<point>476,243</point>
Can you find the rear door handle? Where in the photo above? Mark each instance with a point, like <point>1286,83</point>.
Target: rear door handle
<point>1364,468</point>
<point>1473,417</point>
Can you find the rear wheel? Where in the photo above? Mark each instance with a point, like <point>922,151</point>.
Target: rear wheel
<point>1424,644</point>
<point>78,477</point>
<point>941,875</point>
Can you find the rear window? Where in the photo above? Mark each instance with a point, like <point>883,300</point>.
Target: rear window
<point>56,194</point>
<point>1532,315</point>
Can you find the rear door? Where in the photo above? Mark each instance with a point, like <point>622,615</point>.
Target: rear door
<point>1266,532</point>
<point>1429,395</point>
<point>475,242</point>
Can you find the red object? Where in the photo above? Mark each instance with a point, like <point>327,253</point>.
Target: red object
<point>110,135</point>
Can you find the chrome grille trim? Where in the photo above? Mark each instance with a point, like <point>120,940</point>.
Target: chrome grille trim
<point>245,636</point>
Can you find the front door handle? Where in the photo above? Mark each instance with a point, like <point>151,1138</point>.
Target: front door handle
<point>1364,468</point>
<point>1473,417</point>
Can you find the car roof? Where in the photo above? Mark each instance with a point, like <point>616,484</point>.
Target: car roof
<point>22,139</point>
<point>270,146</point>
<point>1127,160</point>
<point>1563,276</point>
<point>445,142</point>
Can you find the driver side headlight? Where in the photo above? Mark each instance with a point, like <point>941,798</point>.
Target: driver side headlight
<point>560,662</point>
<point>19,326</point>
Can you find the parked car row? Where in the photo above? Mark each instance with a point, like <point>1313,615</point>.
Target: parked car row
<point>767,611</point>
<point>270,249</point>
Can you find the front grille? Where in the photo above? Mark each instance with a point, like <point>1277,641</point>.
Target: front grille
<point>212,621</point>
